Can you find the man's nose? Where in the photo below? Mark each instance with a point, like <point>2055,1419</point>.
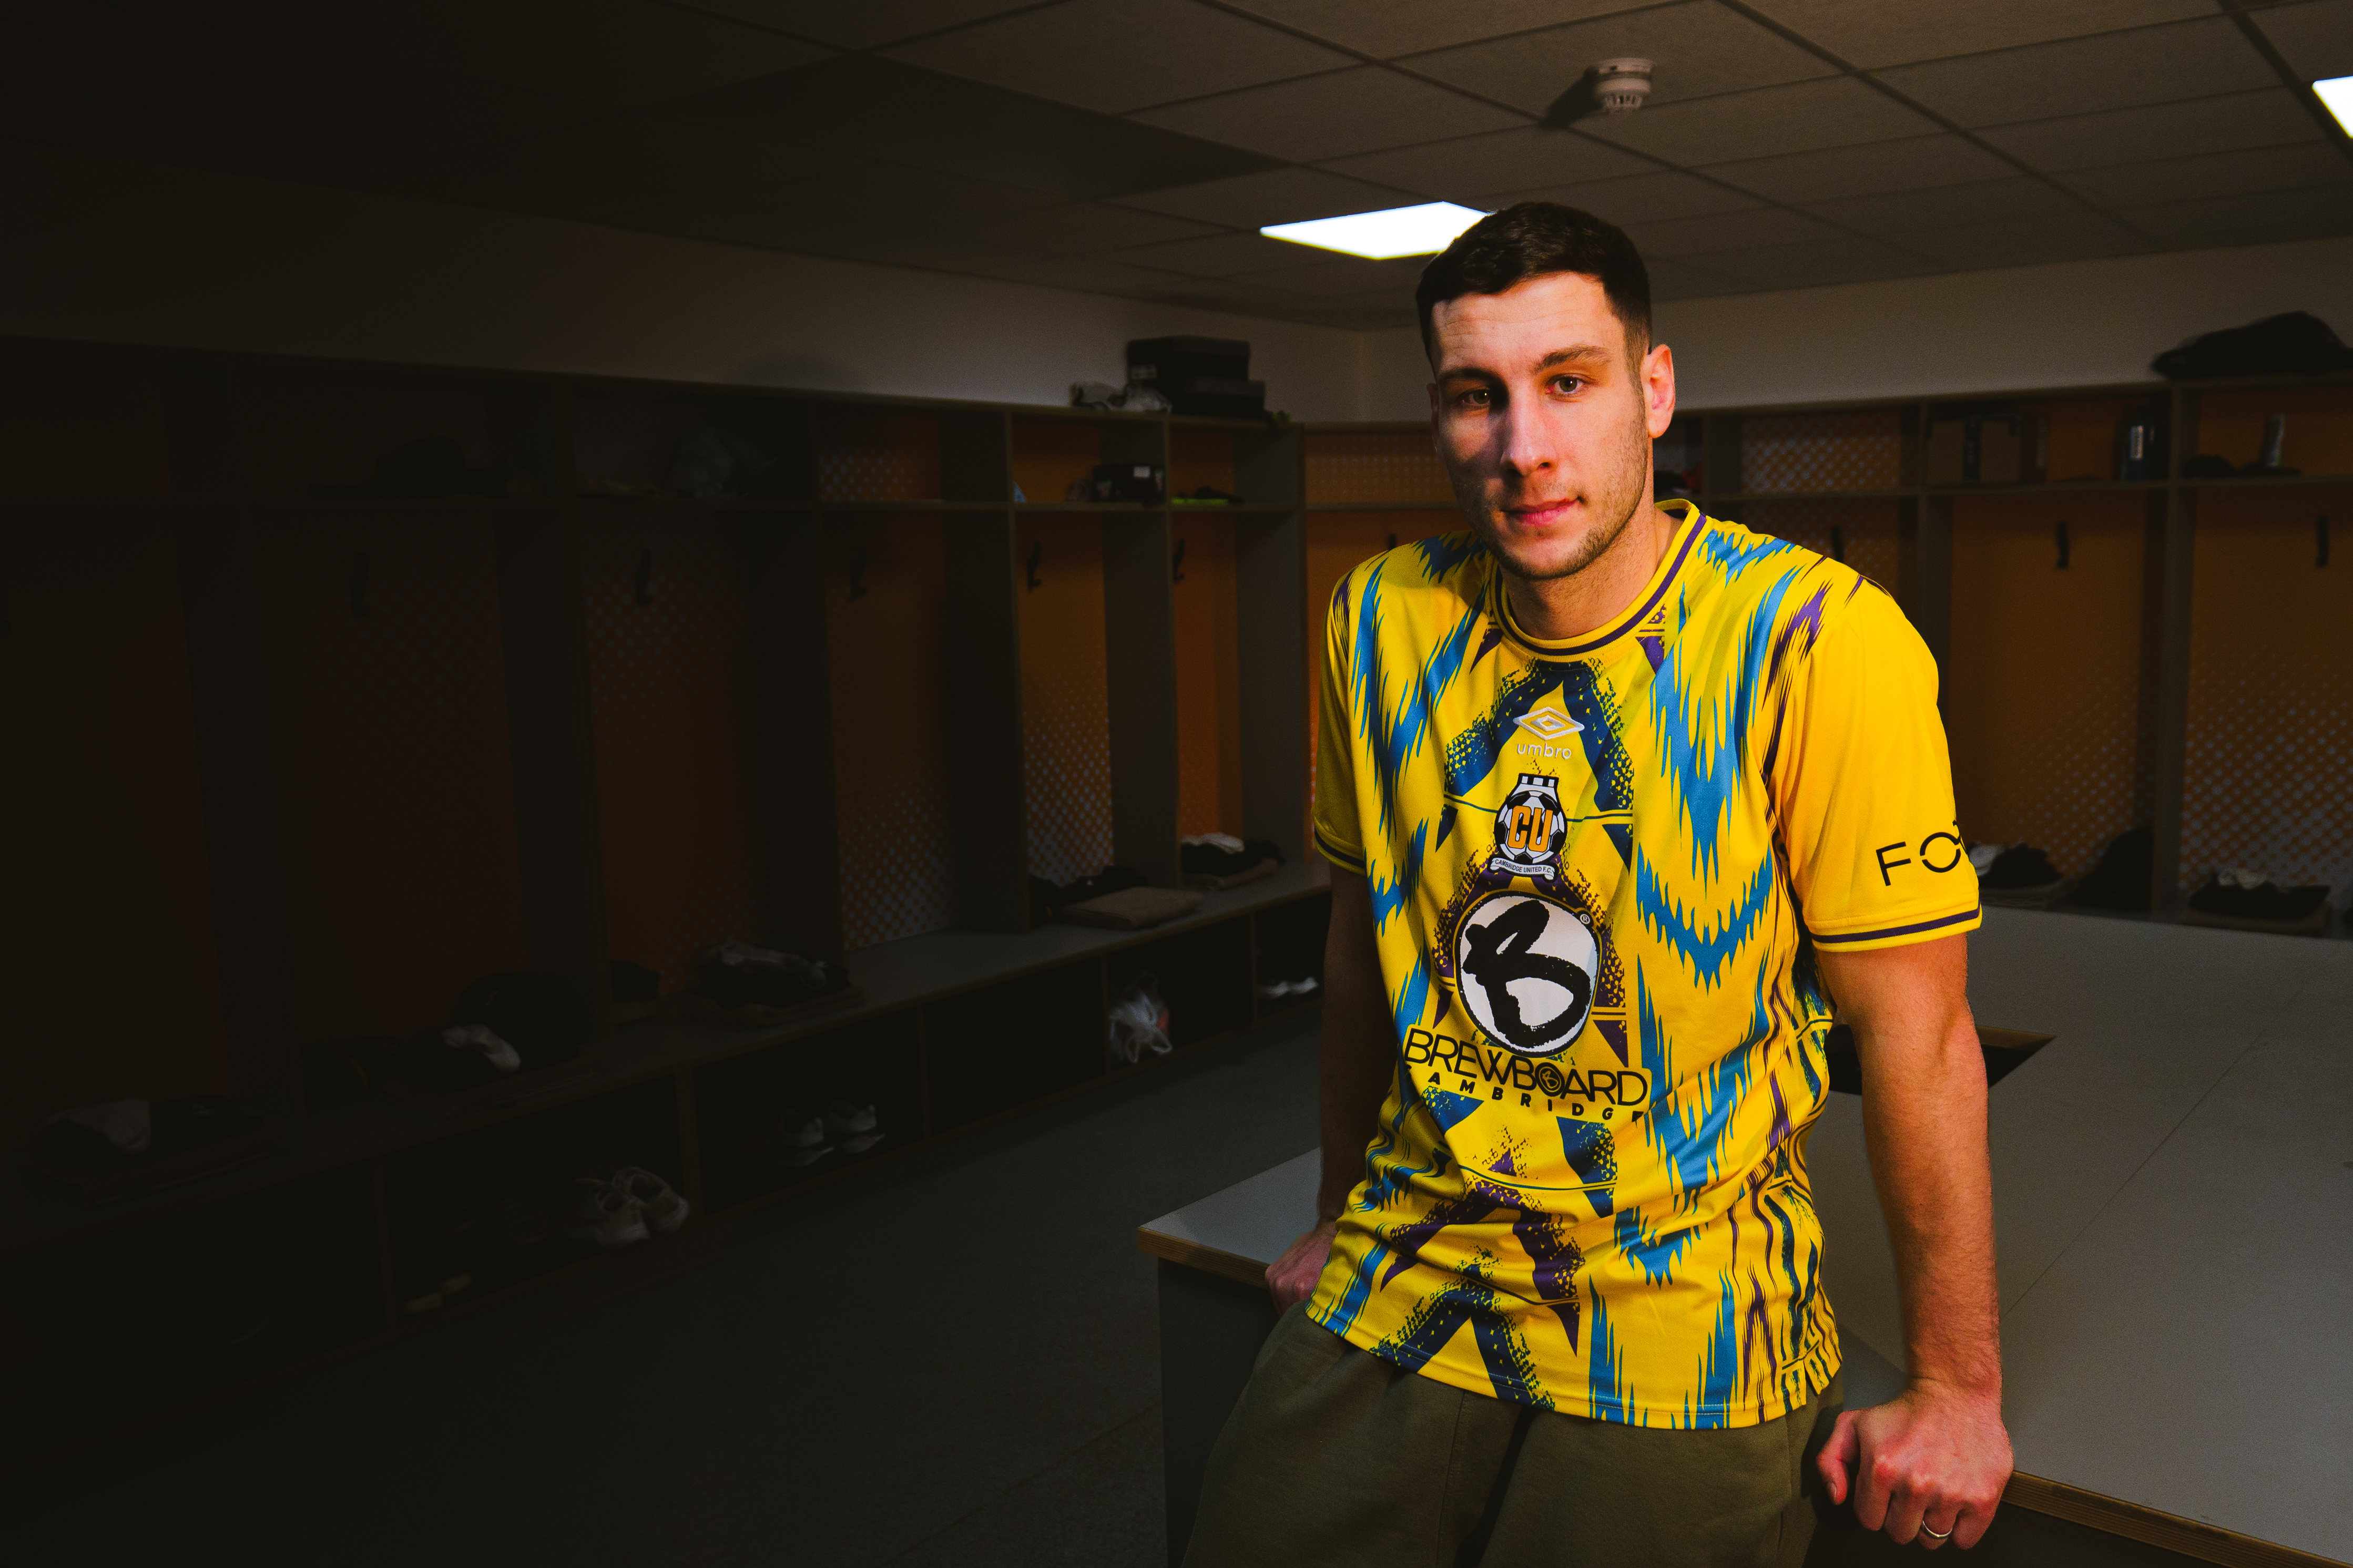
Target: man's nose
<point>1527,444</point>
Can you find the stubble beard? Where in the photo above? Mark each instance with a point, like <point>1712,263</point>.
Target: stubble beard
<point>1620,497</point>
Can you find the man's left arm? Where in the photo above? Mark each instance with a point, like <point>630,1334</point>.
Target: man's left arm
<point>1936,1456</point>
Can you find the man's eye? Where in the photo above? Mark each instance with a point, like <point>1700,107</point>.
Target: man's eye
<point>1568,385</point>
<point>1475,398</point>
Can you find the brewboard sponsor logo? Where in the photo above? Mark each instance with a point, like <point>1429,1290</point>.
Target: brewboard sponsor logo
<point>1595,1093</point>
<point>1525,967</point>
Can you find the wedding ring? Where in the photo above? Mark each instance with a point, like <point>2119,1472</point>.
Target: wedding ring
<point>1933,1533</point>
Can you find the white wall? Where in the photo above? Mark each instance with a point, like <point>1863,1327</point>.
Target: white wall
<point>105,248</point>
<point>2068,324</point>
<point>115,250</point>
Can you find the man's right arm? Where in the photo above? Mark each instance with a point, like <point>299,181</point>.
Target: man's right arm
<point>1357,1057</point>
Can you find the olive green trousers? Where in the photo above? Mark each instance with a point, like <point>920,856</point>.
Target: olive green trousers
<point>1335,1457</point>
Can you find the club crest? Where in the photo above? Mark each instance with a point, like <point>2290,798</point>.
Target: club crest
<point>1530,828</point>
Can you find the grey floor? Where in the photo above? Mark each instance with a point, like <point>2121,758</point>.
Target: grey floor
<point>956,1367</point>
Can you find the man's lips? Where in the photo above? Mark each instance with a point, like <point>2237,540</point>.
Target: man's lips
<point>1541,514</point>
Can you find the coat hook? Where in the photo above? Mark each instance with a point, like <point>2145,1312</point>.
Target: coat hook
<point>2319,528</point>
<point>1392,542</point>
<point>1179,563</point>
<point>2062,546</point>
<point>1838,542</point>
<point>1037,556</point>
<point>359,585</point>
<point>645,575</point>
<point>858,574</point>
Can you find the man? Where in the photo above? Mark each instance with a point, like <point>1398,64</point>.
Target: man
<point>1618,799</point>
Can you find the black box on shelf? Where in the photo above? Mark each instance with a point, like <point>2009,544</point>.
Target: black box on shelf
<point>1157,362</point>
<point>1216,397</point>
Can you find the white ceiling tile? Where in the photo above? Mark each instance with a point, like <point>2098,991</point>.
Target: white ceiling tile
<point>914,198</point>
<point>2270,118</point>
<point>2013,200</point>
<point>1701,49</point>
<point>2258,217</point>
<point>2316,40</point>
<point>627,53</point>
<point>1896,32</point>
<point>303,90</point>
<point>1814,264</point>
<point>1084,226</point>
<point>1220,256</point>
<point>1637,198</point>
<point>2116,70</point>
<point>1088,274</point>
<point>1279,195</point>
<point>1911,162</point>
<point>2029,242</point>
<point>2306,163</point>
<point>58,56</point>
<point>1388,28</point>
<point>1761,227</point>
<point>1331,273</point>
<point>1798,118</point>
<point>1119,55</point>
<point>1468,166</point>
<point>278,18</point>
<point>643,157</point>
<point>1330,116</point>
<point>1683,281</point>
<point>860,26</point>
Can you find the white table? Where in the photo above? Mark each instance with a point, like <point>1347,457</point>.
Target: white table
<point>2173,1188</point>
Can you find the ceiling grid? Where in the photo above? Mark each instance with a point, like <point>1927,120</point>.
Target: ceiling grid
<point>1134,147</point>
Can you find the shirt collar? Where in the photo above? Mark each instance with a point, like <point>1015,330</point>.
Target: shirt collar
<point>1671,564</point>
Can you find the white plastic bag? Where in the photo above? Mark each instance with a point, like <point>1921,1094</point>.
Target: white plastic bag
<point>1139,1022</point>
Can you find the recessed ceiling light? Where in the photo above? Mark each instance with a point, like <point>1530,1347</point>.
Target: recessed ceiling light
<point>2336,92</point>
<point>1393,231</point>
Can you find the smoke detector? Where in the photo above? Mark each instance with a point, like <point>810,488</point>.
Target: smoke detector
<point>1620,86</point>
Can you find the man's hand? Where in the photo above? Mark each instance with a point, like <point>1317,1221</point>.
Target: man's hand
<point>1291,1279</point>
<point>1930,1457</point>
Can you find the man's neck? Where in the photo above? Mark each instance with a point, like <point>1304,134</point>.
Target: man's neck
<point>1560,608</point>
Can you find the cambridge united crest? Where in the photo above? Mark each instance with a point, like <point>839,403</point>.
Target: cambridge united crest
<point>1530,829</point>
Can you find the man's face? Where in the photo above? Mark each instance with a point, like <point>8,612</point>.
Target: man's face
<point>1545,421</point>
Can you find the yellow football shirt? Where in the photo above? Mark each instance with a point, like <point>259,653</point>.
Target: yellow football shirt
<point>1599,870</point>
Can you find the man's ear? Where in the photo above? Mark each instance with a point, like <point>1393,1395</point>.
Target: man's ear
<point>1659,390</point>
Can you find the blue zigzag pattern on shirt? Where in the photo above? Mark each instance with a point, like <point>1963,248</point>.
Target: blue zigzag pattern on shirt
<point>1471,755</point>
<point>1702,741</point>
<point>1654,1251</point>
<point>1442,552</point>
<point>1391,894</point>
<point>1707,948</point>
<point>1719,1363</point>
<point>1687,1124</point>
<point>1722,548</point>
<point>1392,735</point>
<point>1607,1390</point>
<point>1412,998</point>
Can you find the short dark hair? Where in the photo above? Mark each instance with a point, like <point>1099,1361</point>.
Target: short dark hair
<point>1531,239</point>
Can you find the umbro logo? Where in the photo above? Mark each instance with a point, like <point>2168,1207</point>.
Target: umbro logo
<point>1552,726</point>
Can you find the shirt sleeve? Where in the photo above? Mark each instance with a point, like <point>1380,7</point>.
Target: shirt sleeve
<point>1864,787</point>
<point>1338,835</point>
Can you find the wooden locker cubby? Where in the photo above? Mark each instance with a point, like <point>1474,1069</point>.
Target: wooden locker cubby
<point>2048,685</point>
<point>2270,701</point>
<point>875,1061</point>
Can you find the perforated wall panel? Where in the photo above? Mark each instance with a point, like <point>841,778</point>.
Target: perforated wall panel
<point>1857,450</point>
<point>886,619</point>
<point>1065,697</point>
<point>2271,690</point>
